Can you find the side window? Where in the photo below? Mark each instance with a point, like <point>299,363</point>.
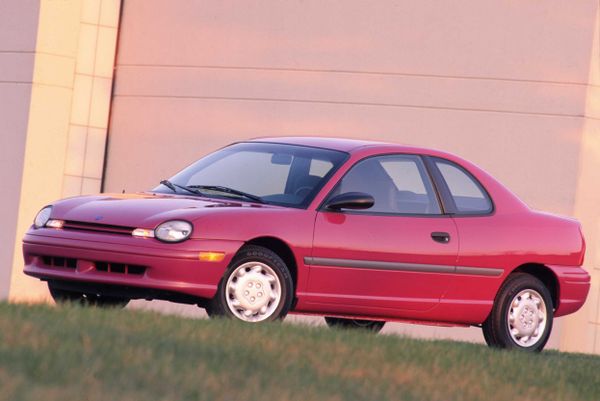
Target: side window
<point>398,183</point>
<point>468,195</point>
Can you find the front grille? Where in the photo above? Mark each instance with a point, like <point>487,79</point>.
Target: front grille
<point>95,227</point>
<point>55,261</point>
<point>107,267</point>
<point>120,268</point>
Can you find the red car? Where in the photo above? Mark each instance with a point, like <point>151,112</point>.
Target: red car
<point>361,232</point>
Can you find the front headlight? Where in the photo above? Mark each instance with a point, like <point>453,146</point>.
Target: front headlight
<point>42,217</point>
<point>173,231</point>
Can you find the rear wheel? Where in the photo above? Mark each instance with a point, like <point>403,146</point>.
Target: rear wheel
<point>371,325</point>
<point>61,296</point>
<point>522,315</point>
<point>256,287</point>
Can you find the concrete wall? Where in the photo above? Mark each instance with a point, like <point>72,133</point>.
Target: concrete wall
<point>492,81</point>
<point>18,32</point>
<point>510,85</point>
<point>504,84</point>
<point>57,145</point>
<point>582,330</point>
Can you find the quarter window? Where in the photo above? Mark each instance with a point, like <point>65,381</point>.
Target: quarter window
<point>468,195</point>
<point>399,184</point>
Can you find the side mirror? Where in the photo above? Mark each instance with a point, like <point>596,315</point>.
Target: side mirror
<point>350,200</point>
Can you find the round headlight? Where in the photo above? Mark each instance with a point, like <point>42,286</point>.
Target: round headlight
<point>173,231</point>
<point>42,217</point>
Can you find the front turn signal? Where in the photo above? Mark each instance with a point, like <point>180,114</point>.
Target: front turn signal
<point>211,256</point>
<point>143,233</point>
<point>53,223</point>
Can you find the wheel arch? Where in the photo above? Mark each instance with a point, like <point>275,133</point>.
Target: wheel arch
<point>283,250</point>
<point>545,275</point>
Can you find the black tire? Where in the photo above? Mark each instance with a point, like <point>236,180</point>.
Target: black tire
<point>355,324</point>
<point>496,330</point>
<point>63,296</point>
<point>487,334</point>
<point>219,307</point>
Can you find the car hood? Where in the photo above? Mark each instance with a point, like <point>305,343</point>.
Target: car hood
<point>145,210</point>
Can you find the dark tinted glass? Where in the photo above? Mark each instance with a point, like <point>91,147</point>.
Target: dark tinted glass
<point>469,196</point>
<point>398,183</point>
<point>280,174</point>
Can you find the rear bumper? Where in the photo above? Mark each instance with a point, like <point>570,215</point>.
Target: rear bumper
<point>574,286</point>
<point>168,267</point>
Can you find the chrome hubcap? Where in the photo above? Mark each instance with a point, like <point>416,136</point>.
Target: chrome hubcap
<point>526,318</point>
<point>253,292</point>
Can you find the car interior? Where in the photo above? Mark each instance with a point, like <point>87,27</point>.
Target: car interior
<point>372,178</point>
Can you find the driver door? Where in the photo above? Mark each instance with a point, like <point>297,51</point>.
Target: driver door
<point>398,254</point>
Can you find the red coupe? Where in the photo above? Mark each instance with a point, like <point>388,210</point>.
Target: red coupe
<point>360,232</point>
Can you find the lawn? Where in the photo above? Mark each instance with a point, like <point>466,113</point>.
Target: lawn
<point>72,353</point>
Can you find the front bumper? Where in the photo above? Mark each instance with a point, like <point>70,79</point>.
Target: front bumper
<point>158,266</point>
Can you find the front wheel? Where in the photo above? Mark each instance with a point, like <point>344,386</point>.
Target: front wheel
<point>256,287</point>
<point>522,315</point>
<point>370,325</point>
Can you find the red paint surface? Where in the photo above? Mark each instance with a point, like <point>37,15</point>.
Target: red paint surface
<point>512,237</point>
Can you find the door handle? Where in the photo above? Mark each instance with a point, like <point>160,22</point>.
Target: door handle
<point>441,237</point>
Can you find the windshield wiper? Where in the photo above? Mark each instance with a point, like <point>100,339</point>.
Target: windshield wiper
<point>173,187</point>
<point>227,190</point>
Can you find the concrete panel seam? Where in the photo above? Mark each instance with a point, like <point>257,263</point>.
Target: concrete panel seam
<point>376,73</point>
<point>53,85</point>
<point>16,82</point>
<point>56,55</point>
<point>17,51</point>
<point>97,25</point>
<point>367,104</point>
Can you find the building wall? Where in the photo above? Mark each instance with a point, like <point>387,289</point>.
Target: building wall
<point>58,147</point>
<point>18,32</point>
<point>458,79</point>
<point>512,86</point>
<point>504,84</point>
<point>583,329</point>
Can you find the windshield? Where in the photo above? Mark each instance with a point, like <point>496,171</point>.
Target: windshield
<point>279,174</point>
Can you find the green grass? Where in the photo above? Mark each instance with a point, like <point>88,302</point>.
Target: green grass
<point>71,353</point>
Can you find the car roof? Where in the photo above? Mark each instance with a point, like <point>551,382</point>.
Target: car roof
<point>503,198</point>
<point>343,144</point>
